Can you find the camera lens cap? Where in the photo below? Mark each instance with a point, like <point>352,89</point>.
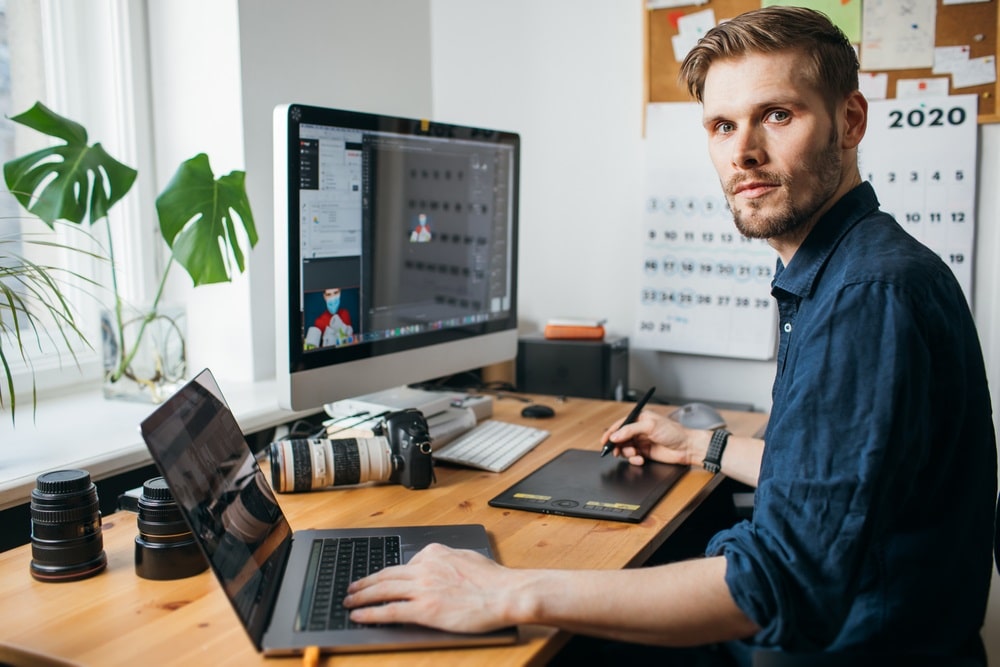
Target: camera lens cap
<point>61,482</point>
<point>156,489</point>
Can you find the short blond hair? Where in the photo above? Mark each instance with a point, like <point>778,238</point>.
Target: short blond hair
<point>834,70</point>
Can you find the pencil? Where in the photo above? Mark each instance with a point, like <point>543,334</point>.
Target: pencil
<point>311,657</point>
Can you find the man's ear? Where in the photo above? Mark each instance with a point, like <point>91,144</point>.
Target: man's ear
<point>854,120</point>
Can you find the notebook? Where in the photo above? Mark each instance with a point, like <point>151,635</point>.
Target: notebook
<point>582,483</point>
<point>264,567</point>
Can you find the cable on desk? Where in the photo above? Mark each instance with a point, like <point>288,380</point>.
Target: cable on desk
<point>300,428</point>
<point>329,429</point>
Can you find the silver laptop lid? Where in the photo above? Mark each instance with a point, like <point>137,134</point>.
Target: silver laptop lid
<point>214,477</point>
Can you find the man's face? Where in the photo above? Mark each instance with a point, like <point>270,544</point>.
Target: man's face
<point>332,297</point>
<point>772,141</point>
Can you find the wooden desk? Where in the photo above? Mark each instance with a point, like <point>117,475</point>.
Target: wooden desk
<point>118,618</point>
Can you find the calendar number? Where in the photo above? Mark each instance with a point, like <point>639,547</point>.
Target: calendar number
<point>926,118</point>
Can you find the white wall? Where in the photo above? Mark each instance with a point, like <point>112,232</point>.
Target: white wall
<point>572,88</point>
<point>195,74</point>
<point>220,68</point>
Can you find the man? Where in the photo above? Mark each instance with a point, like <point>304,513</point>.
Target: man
<point>873,517</point>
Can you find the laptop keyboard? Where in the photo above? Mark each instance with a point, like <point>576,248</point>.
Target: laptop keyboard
<point>491,445</point>
<point>335,564</point>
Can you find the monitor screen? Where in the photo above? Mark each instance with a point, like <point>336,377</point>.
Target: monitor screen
<point>396,251</point>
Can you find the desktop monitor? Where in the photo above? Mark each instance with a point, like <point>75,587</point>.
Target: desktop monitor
<point>396,251</point>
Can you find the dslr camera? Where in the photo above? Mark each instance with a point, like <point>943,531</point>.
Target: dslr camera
<point>399,452</point>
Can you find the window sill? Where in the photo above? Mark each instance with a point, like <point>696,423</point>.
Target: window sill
<point>84,430</point>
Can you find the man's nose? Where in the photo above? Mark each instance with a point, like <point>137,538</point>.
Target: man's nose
<point>748,149</point>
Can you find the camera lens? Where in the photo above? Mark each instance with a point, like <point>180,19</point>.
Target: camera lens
<point>164,547</point>
<point>306,465</point>
<point>66,539</point>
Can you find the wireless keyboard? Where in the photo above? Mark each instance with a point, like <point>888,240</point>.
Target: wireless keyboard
<point>491,445</point>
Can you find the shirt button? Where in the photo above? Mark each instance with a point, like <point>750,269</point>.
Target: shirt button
<point>787,327</point>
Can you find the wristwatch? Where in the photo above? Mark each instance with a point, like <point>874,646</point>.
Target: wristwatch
<point>713,458</point>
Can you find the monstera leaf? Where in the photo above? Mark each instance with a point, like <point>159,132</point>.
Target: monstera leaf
<point>196,214</point>
<point>72,181</point>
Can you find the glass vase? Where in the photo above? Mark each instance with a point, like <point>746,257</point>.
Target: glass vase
<point>146,359</point>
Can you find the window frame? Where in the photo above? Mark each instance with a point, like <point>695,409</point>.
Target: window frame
<point>95,65</point>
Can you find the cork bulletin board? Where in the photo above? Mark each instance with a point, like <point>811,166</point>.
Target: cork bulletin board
<point>976,25</point>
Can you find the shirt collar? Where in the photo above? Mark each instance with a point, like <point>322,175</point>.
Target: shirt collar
<point>799,276</point>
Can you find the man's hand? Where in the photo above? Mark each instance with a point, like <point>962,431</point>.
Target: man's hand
<point>449,589</point>
<point>652,437</point>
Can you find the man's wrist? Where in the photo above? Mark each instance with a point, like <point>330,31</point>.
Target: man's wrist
<point>698,442</point>
<point>527,593</point>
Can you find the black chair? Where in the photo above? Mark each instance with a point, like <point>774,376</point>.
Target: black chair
<point>773,658</point>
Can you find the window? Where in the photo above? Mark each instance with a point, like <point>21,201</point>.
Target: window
<point>7,225</point>
<point>85,61</point>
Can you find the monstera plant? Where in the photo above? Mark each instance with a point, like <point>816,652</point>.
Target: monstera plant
<point>199,218</point>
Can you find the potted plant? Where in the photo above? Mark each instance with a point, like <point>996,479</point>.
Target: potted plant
<point>197,213</point>
<point>31,301</point>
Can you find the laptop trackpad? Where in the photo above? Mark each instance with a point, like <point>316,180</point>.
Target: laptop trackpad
<point>410,553</point>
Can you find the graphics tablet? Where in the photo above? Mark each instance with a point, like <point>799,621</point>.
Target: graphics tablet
<point>581,483</point>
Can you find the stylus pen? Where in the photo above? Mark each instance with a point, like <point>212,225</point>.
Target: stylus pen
<point>632,416</point>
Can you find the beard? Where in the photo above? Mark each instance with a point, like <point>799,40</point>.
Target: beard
<point>820,178</point>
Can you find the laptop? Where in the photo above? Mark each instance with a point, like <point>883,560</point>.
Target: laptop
<point>270,573</point>
<point>582,483</point>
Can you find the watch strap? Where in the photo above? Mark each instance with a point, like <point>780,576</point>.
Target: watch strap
<point>717,445</point>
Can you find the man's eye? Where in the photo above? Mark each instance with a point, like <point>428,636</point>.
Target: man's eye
<point>779,116</point>
<point>724,128</point>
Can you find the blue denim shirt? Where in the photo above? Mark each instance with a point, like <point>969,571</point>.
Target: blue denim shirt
<point>873,517</point>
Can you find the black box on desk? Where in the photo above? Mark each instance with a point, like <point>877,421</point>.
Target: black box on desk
<point>584,368</point>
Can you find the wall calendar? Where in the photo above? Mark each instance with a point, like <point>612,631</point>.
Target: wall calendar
<point>921,156</point>
<point>705,289</point>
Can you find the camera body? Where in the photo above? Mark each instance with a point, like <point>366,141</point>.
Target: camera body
<point>398,452</point>
<point>410,442</point>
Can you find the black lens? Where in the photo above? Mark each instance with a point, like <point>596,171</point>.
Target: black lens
<point>164,547</point>
<point>66,539</point>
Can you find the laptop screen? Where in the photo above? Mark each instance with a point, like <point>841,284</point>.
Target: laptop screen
<point>220,489</point>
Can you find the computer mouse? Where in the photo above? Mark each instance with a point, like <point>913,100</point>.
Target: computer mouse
<point>537,411</point>
<point>698,415</point>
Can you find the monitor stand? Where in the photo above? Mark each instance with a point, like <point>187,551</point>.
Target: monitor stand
<point>390,400</point>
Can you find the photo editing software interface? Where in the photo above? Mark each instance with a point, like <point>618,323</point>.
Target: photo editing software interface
<point>405,234</point>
